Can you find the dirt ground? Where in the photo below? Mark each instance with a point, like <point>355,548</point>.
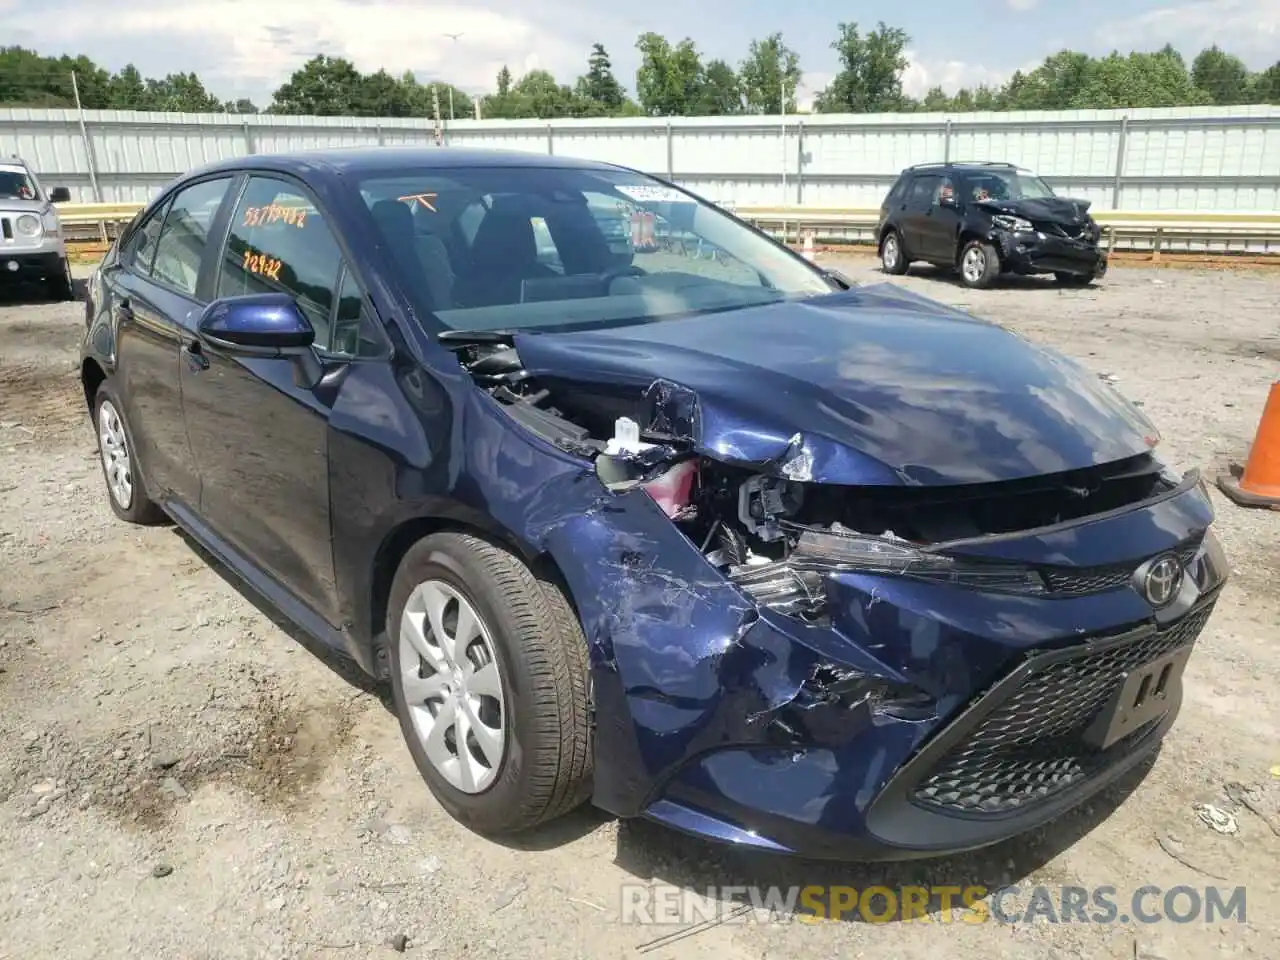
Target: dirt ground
<point>182,777</point>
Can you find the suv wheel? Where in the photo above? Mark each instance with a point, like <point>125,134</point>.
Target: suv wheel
<point>979,264</point>
<point>892,255</point>
<point>60,285</point>
<point>125,491</point>
<point>489,676</point>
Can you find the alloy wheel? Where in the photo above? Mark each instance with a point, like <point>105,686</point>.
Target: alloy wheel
<point>452,684</point>
<point>889,255</point>
<point>974,264</point>
<point>116,462</point>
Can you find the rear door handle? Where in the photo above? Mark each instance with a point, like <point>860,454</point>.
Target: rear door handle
<point>194,355</point>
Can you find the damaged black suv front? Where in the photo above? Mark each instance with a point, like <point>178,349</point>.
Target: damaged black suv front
<point>861,575</point>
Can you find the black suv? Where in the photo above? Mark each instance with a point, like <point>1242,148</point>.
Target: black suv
<point>986,219</point>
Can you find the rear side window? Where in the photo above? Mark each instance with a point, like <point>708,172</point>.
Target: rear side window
<point>923,190</point>
<point>279,242</point>
<point>184,238</point>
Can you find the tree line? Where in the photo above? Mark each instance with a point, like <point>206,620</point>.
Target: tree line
<point>673,80</point>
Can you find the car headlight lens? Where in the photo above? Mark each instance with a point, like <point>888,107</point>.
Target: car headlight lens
<point>28,225</point>
<point>1017,224</point>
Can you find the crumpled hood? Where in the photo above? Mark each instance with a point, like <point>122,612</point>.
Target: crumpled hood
<point>875,385</point>
<point>1052,209</point>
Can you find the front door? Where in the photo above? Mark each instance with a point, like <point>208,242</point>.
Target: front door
<point>260,436</point>
<point>939,229</point>
<point>153,294</point>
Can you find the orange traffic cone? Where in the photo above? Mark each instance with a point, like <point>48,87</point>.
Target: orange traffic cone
<point>1259,483</point>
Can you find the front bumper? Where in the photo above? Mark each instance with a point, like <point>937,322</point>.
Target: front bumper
<point>743,743</point>
<point>29,267</point>
<point>1034,252</point>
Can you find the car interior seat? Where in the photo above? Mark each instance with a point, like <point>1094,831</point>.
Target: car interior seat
<point>422,257</point>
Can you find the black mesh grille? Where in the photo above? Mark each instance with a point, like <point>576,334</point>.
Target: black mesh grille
<point>1082,580</point>
<point>1032,746</point>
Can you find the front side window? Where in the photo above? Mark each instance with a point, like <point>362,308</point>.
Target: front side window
<point>557,248</point>
<point>183,239</point>
<point>280,243</point>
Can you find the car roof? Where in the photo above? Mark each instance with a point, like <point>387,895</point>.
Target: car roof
<point>964,166</point>
<point>372,160</point>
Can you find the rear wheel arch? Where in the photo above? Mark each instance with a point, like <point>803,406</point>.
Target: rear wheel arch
<point>91,378</point>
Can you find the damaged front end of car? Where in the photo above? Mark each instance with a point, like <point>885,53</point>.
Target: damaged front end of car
<point>796,648</point>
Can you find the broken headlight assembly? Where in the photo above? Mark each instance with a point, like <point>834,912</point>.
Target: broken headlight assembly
<point>1005,221</point>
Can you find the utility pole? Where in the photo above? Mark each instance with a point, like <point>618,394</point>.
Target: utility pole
<point>435,109</point>
<point>454,37</point>
<point>88,147</point>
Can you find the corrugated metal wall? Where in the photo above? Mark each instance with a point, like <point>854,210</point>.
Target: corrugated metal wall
<point>1198,158</point>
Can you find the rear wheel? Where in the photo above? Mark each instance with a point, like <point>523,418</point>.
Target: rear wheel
<point>979,264</point>
<point>125,490</point>
<point>489,675</point>
<point>1075,279</point>
<point>892,255</point>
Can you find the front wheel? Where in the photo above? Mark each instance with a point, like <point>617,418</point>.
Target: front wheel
<point>60,286</point>
<point>892,256</point>
<point>489,675</point>
<point>979,264</point>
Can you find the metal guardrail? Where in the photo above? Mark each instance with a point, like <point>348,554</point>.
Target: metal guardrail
<point>1152,231</point>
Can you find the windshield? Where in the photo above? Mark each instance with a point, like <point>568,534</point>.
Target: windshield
<point>1006,185</point>
<point>15,184</point>
<point>520,248</point>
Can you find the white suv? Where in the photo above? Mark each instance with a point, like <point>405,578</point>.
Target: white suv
<point>31,243</point>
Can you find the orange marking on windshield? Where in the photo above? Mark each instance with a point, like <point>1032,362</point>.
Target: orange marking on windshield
<point>422,198</point>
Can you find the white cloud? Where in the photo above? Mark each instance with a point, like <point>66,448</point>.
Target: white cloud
<point>249,47</point>
<point>1021,4</point>
<point>951,75</point>
<point>1248,28</point>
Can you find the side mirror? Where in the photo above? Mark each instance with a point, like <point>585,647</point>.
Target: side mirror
<point>840,278</point>
<point>59,195</point>
<point>263,325</point>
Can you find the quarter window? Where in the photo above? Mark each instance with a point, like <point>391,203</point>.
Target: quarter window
<point>280,243</point>
<point>142,244</point>
<point>185,235</point>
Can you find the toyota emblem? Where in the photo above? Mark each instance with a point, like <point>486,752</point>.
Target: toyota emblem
<point>1162,581</point>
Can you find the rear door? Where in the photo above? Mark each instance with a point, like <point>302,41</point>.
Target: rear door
<point>152,291</point>
<point>915,217</point>
<point>259,436</point>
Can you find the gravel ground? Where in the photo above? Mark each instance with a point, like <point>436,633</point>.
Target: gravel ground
<point>182,776</point>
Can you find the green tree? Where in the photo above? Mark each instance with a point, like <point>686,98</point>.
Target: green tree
<point>870,76</point>
<point>1264,87</point>
<point>128,91</point>
<point>323,86</point>
<point>670,79</point>
<point>1138,80</point>
<point>719,93</point>
<point>600,85</point>
<point>182,93</point>
<point>242,105</point>
<point>1223,77</point>
<point>936,100</point>
<point>770,69</point>
<point>504,103</point>
<point>380,95</point>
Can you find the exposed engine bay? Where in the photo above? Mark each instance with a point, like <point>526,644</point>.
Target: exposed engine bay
<point>779,537</point>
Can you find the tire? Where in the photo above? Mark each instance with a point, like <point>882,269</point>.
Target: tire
<point>133,506</point>
<point>893,255</point>
<point>60,287</point>
<point>532,635</point>
<point>1075,279</point>
<point>979,264</point>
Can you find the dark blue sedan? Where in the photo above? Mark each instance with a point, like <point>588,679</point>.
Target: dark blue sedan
<point>732,544</point>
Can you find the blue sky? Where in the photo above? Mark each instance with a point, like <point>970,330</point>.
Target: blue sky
<point>248,47</point>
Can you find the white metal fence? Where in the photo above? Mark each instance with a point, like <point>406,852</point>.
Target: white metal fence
<point>1191,159</point>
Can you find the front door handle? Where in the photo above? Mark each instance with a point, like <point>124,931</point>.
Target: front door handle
<point>195,357</point>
